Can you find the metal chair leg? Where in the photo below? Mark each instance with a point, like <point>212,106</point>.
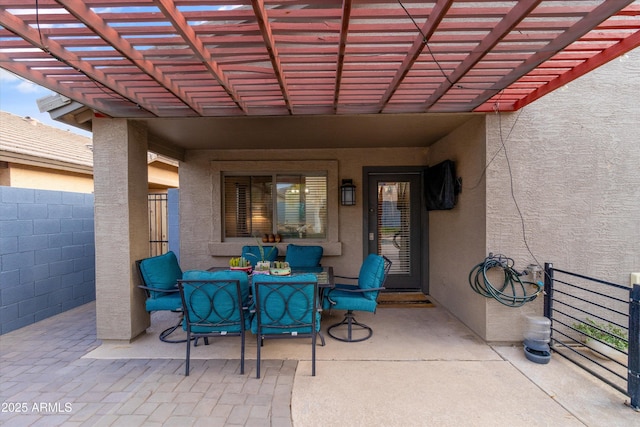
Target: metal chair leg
<point>350,321</point>
<point>164,334</point>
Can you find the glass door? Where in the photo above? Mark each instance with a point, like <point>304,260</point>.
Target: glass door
<point>394,226</point>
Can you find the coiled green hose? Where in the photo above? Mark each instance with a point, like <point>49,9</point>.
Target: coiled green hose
<point>513,292</point>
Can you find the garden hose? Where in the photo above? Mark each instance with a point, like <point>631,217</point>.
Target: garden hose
<point>512,292</point>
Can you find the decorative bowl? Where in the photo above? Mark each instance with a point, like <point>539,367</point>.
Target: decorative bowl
<point>280,271</point>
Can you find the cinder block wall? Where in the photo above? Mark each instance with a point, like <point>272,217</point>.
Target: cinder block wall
<point>47,262</point>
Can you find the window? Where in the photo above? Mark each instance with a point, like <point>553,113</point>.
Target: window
<point>239,215</point>
<point>297,209</point>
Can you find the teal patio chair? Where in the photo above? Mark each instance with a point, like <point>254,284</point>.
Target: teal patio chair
<point>299,256</point>
<point>216,304</point>
<point>159,276</point>
<point>360,297</point>
<point>286,307</point>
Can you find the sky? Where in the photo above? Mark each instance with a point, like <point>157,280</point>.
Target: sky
<point>18,96</point>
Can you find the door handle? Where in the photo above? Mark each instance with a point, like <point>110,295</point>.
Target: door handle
<point>371,237</point>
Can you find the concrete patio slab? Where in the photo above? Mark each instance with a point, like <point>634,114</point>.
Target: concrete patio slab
<point>433,393</point>
<point>399,334</point>
<point>421,367</point>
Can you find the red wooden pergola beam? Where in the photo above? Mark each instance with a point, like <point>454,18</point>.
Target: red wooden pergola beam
<point>426,32</point>
<point>580,28</point>
<point>579,70</point>
<point>186,58</point>
<point>126,48</point>
<point>510,20</point>
<point>18,27</point>
<point>269,41</point>
<point>344,32</point>
<point>127,108</point>
<point>179,22</point>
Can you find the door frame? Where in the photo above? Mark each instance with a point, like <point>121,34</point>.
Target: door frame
<point>424,215</point>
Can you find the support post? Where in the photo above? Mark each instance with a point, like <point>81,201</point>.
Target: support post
<point>548,296</point>
<point>548,289</point>
<point>633,379</point>
<point>121,226</point>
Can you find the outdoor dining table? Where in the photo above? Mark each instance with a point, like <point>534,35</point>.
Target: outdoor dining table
<point>323,273</point>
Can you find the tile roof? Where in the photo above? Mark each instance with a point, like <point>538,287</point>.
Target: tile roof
<point>25,137</point>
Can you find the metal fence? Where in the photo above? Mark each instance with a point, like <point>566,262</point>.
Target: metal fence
<point>596,325</point>
<point>158,224</point>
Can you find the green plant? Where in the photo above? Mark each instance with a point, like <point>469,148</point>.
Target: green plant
<point>263,257</point>
<point>604,332</point>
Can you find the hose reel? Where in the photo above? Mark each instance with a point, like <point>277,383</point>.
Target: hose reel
<point>513,291</point>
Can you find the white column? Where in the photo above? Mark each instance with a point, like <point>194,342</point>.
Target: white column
<point>121,226</point>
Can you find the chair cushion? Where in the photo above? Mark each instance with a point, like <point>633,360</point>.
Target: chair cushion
<point>303,256</point>
<point>252,253</point>
<point>274,308</point>
<point>371,275</point>
<point>162,272</point>
<point>223,305</point>
<point>166,302</point>
<point>349,301</point>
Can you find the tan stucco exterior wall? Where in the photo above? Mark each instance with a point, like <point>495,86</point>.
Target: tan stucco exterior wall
<point>574,158</point>
<point>121,226</point>
<point>161,177</point>
<point>197,193</point>
<point>457,237</point>
<point>23,176</point>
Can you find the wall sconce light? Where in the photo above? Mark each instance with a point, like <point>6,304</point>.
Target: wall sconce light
<point>347,193</point>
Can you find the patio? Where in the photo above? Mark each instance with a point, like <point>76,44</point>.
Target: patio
<point>461,380</point>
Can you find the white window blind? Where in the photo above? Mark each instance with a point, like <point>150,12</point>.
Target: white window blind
<point>298,210</point>
<point>248,205</point>
<point>394,225</point>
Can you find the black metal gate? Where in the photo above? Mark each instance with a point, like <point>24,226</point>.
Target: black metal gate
<point>158,234</point>
<point>596,325</point>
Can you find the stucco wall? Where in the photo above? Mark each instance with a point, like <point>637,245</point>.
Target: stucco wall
<point>23,176</point>
<point>574,159</point>
<point>457,237</point>
<point>574,162</point>
<point>122,226</point>
<point>162,176</point>
<point>197,193</point>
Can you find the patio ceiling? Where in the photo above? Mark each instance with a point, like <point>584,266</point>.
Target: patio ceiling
<point>192,58</point>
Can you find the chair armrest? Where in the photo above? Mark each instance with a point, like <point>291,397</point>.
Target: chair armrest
<point>167,291</point>
<point>345,277</point>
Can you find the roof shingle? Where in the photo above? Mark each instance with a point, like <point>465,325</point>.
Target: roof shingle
<point>29,137</point>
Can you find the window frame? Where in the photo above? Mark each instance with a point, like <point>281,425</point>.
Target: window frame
<point>274,179</point>
<point>219,168</point>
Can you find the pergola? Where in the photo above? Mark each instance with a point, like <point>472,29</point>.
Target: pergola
<point>193,58</point>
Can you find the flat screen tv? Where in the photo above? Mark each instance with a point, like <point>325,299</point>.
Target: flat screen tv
<point>440,188</point>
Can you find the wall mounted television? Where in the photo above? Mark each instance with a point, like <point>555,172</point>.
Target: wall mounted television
<point>441,186</point>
